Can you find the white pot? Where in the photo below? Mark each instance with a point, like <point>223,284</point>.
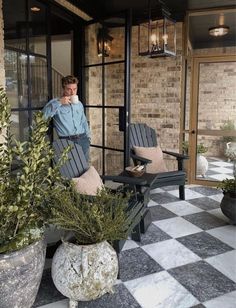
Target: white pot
<point>84,272</point>
<point>202,165</point>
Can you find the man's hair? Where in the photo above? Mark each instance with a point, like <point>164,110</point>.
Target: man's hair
<point>68,80</point>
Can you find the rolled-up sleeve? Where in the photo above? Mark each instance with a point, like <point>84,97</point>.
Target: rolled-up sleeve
<point>51,108</point>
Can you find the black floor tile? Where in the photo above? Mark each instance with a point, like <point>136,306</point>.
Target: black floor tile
<point>135,263</point>
<point>203,280</point>
<point>158,213</point>
<point>204,245</point>
<point>206,191</point>
<point>205,203</point>
<point>205,220</point>
<point>153,235</point>
<point>165,197</point>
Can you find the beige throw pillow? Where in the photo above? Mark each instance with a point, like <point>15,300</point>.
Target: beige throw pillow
<point>155,155</point>
<point>88,183</point>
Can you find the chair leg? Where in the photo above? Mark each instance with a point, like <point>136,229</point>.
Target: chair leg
<point>145,221</point>
<point>182,192</point>
<point>136,233</point>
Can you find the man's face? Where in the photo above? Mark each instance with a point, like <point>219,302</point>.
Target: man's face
<point>70,89</point>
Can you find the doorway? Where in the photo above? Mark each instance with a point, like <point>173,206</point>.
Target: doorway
<point>212,127</point>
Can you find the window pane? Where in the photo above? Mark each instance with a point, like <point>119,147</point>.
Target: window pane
<point>37,27</point>
<point>16,78</point>
<point>114,84</point>
<point>96,159</point>
<point>114,138</point>
<point>94,117</point>
<point>14,24</point>
<point>39,82</point>
<point>20,125</point>
<point>91,51</point>
<point>93,77</point>
<point>114,162</point>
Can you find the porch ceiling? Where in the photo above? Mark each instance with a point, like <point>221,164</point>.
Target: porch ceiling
<point>199,26</point>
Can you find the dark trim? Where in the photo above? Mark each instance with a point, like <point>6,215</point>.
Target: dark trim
<point>105,63</point>
<point>128,34</point>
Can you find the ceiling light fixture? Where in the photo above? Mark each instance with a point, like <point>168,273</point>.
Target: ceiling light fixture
<point>219,30</point>
<point>35,9</point>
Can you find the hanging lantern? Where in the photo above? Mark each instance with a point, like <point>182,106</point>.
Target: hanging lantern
<point>157,36</point>
<point>104,42</point>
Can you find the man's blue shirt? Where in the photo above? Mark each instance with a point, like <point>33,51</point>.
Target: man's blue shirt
<point>68,119</point>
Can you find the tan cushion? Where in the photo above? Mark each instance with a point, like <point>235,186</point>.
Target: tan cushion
<point>88,183</point>
<point>155,155</point>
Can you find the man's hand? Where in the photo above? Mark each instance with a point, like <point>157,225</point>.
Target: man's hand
<point>65,100</point>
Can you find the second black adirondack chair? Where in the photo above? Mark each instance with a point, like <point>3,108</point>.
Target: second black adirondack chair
<point>141,135</point>
<point>76,165</point>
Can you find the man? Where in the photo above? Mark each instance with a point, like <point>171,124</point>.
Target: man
<point>68,115</point>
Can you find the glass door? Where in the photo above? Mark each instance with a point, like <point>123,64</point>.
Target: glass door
<point>212,119</point>
<point>106,91</point>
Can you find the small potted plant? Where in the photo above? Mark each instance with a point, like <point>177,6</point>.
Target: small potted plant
<point>228,202</point>
<point>23,210</point>
<point>86,267</point>
<point>202,163</point>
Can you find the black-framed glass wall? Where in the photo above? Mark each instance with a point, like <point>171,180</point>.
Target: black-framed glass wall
<point>38,52</point>
<point>106,90</point>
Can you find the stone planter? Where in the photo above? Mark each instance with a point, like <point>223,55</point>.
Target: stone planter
<point>20,275</point>
<point>84,272</point>
<point>228,207</point>
<point>202,165</point>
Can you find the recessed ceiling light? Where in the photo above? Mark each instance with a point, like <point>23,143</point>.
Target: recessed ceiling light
<point>35,9</point>
<point>219,30</point>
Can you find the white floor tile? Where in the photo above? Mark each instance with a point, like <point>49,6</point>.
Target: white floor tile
<point>182,208</point>
<point>217,197</point>
<point>160,290</point>
<point>151,203</point>
<point>189,194</point>
<point>222,164</point>
<point>225,301</point>
<point>129,244</point>
<point>218,213</point>
<point>156,191</point>
<point>170,253</point>
<point>226,234</point>
<point>221,170</point>
<point>220,177</point>
<point>225,263</point>
<point>177,227</point>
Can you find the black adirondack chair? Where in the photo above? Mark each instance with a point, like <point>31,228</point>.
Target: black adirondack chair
<point>76,165</point>
<point>142,135</point>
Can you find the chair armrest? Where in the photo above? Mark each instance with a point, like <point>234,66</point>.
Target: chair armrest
<point>177,155</point>
<point>141,159</point>
<point>124,179</point>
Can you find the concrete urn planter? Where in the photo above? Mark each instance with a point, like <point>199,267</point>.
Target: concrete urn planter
<point>20,275</point>
<point>202,165</point>
<point>84,272</point>
<point>228,206</point>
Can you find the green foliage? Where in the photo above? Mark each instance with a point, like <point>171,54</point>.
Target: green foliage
<point>92,219</point>
<point>200,148</point>
<point>228,186</point>
<point>23,194</point>
<point>228,126</point>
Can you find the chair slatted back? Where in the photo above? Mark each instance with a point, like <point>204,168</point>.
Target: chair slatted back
<point>76,164</point>
<point>142,135</point>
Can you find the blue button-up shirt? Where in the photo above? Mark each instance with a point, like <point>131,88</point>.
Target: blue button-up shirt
<point>68,119</point>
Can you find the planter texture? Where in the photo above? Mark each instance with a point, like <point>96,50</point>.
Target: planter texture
<point>20,275</point>
<point>228,207</point>
<point>84,272</point>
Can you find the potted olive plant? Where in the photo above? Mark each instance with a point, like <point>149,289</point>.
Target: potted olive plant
<point>86,267</point>
<point>228,186</point>
<point>24,190</point>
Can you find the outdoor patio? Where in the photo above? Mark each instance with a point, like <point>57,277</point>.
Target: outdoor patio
<point>185,259</point>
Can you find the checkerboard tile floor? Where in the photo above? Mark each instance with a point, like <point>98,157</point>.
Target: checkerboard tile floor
<point>187,258</point>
